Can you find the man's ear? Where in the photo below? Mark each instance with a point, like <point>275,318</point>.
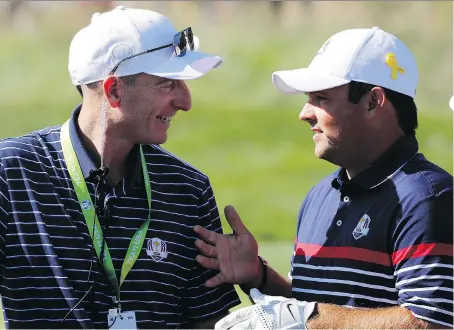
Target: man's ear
<point>376,99</point>
<point>111,89</point>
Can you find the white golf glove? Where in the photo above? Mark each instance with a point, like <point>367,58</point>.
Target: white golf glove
<point>269,313</point>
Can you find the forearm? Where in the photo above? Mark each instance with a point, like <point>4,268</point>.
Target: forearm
<point>276,284</point>
<point>337,317</point>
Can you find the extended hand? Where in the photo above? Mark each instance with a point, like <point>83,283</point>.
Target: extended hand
<point>234,255</point>
<point>269,313</point>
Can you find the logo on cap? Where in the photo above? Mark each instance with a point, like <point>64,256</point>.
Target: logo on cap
<point>323,48</point>
<point>120,52</point>
<point>392,63</point>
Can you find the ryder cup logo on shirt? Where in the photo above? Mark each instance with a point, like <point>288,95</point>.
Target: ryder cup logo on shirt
<point>156,249</point>
<point>362,228</point>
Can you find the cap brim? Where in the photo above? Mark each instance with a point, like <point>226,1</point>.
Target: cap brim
<point>190,66</point>
<point>305,81</point>
<point>451,103</point>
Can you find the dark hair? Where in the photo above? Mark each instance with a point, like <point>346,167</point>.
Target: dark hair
<point>406,110</point>
<point>128,80</point>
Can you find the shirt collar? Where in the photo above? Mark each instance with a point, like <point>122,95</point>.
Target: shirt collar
<point>87,159</point>
<point>386,165</point>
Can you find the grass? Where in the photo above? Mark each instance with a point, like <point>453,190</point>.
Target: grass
<point>241,132</point>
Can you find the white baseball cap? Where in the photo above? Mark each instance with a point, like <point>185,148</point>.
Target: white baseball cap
<point>371,56</point>
<point>122,32</point>
<point>451,103</point>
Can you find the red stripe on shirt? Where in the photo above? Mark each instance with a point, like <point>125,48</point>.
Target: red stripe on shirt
<point>343,252</point>
<point>422,250</point>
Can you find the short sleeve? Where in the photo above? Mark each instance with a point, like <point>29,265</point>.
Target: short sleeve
<point>423,258</point>
<point>5,209</point>
<point>200,301</point>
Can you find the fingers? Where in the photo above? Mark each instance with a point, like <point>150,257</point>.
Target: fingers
<point>257,296</point>
<point>215,280</point>
<point>208,263</point>
<point>206,249</point>
<point>207,235</point>
<point>234,221</point>
<point>211,263</point>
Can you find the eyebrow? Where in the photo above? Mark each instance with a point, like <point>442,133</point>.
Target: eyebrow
<point>322,93</point>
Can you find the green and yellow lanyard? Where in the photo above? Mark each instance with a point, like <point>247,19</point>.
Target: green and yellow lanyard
<point>83,196</point>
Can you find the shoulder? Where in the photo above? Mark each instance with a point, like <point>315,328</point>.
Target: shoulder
<point>166,162</point>
<point>32,145</point>
<point>420,179</point>
<point>425,203</point>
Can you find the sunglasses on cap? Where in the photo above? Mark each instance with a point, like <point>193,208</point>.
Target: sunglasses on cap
<point>182,41</point>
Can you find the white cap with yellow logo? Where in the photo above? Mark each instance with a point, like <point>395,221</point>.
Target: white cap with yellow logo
<point>371,56</point>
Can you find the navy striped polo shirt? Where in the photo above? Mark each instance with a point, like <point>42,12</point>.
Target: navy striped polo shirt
<point>46,251</point>
<point>384,238</point>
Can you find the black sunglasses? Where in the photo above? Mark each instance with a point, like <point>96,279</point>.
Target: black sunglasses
<point>182,41</point>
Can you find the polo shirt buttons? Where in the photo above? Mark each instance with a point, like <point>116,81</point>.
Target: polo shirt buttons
<point>339,223</point>
<point>346,199</point>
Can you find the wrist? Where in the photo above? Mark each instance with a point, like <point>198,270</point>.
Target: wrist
<point>259,282</point>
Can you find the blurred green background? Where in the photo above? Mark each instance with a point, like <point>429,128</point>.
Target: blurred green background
<point>241,131</point>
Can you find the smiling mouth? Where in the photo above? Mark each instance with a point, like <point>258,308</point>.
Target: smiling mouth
<point>164,119</point>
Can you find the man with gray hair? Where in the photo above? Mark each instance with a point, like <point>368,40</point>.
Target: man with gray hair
<point>95,217</point>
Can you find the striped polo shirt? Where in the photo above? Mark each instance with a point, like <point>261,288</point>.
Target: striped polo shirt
<point>384,238</point>
<point>46,251</point>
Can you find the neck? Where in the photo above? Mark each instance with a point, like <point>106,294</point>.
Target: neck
<point>106,144</point>
<point>374,151</point>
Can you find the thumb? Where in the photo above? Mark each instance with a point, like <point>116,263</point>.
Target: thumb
<point>257,296</point>
<point>234,221</point>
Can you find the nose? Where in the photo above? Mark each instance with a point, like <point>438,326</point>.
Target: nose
<point>307,113</point>
<point>182,96</point>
